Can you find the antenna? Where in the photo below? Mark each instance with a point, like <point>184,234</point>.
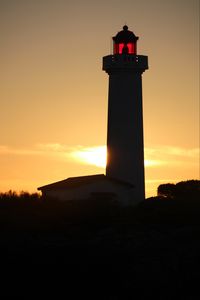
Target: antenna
<point>110,45</point>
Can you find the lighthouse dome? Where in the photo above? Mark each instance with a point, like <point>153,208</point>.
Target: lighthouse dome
<point>125,36</point>
<point>125,42</point>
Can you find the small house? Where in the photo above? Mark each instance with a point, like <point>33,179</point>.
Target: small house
<point>84,187</point>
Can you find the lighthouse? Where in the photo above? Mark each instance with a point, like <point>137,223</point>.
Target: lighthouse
<point>125,147</point>
<point>124,179</point>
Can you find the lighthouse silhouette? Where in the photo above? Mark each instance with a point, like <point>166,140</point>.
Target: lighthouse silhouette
<point>125,147</point>
<point>124,179</point>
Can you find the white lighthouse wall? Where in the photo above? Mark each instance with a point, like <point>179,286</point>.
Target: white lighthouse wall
<point>123,194</point>
<point>125,130</point>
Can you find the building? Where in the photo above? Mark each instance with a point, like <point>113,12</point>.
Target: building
<point>125,118</point>
<point>124,179</point>
<point>84,187</point>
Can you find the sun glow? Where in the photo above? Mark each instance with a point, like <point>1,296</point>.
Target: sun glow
<point>152,163</point>
<point>92,155</point>
<point>97,156</point>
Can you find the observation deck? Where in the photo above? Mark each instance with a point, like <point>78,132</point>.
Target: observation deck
<point>125,62</point>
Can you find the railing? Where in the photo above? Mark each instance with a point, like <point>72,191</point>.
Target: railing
<point>125,61</point>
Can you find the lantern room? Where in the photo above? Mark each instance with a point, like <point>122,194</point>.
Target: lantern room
<point>125,42</point>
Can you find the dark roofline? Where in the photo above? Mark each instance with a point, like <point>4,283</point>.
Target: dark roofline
<point>73,182</point>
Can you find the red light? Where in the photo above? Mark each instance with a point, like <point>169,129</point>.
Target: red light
<point>121,46</point>
<point>131,48</point>
<point>124,48</point>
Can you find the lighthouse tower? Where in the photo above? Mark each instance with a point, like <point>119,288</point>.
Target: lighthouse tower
<point>125,146</point>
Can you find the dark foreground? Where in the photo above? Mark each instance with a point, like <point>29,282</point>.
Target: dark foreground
<point>99,251</point>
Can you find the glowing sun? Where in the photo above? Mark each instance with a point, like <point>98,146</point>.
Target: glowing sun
<point>97,156</point>
<point>92,155</point>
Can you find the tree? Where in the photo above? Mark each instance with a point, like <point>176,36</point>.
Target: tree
<point>189,189</point>
<point>166,190</point>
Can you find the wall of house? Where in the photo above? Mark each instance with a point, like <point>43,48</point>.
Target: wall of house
<point>124,194</point>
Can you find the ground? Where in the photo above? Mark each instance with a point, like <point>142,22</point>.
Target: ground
<point>59,250</point>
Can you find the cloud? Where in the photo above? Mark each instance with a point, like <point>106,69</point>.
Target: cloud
<point>96,155</point>
<point>52,147</point>
<point>172,155</point>
<point>39,149</point>
<point>174,151</point>
<point>6,150</point>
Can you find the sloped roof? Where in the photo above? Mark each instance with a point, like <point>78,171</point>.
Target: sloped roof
<point>73,182</point>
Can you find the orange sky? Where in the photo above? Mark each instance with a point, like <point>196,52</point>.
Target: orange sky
<point>53,91</point>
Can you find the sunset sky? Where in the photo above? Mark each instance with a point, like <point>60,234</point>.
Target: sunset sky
<point>54,94</point>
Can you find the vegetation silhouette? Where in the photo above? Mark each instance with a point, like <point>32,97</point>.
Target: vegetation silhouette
<point>54,248</point>
<point>184,190</point>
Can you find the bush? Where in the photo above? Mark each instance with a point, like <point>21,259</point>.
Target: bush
<point>187,190</point>
<point>166,190</point>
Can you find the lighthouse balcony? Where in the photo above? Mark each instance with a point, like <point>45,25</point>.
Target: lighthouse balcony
<point>125,62</point>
